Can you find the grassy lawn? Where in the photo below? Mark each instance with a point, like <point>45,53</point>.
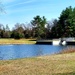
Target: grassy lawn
<point>60,64</point>
<point>21,41</point>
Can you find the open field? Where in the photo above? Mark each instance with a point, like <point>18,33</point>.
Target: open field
<point>20,41</point>
<point>60,64</point>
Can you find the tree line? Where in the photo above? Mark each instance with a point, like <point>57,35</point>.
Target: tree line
<point>40,28</point>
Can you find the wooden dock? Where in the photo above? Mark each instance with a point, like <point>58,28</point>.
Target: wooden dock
<point>49,42</point>
<point>70,42</point>
<point>44,42</point>
<point>56,42</point>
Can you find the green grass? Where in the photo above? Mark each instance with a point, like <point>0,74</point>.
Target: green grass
<point>20,41</point>
<point>60,64</point>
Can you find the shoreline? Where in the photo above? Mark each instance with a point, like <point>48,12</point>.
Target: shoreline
<point>55,64</point>
<point>15,41</point>
<point>59,64</point>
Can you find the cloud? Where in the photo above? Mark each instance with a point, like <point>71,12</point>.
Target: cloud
<point>20,3</point>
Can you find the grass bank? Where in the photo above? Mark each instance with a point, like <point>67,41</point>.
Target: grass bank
<point>60,64</point>
<point>20,41</point>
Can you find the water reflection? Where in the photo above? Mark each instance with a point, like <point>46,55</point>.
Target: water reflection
<point>23,51</point>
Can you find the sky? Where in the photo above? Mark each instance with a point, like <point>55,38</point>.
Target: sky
<point>23,11</point>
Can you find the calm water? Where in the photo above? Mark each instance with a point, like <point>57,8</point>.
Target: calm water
<point>22,51</point>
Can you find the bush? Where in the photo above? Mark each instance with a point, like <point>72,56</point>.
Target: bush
<point>68,50</point>
<point>18,36</point>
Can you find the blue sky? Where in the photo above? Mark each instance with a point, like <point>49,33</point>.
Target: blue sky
<point>22,11</point>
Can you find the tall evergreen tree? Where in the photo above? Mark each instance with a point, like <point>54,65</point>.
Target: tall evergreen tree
<point>39,26</point>
<point>67,22</point>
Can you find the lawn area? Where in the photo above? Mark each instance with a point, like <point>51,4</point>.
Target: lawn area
<point>59,64</point>
<point>20,41</point>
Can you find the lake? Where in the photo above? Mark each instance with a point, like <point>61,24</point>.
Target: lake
<point>23,51</point>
